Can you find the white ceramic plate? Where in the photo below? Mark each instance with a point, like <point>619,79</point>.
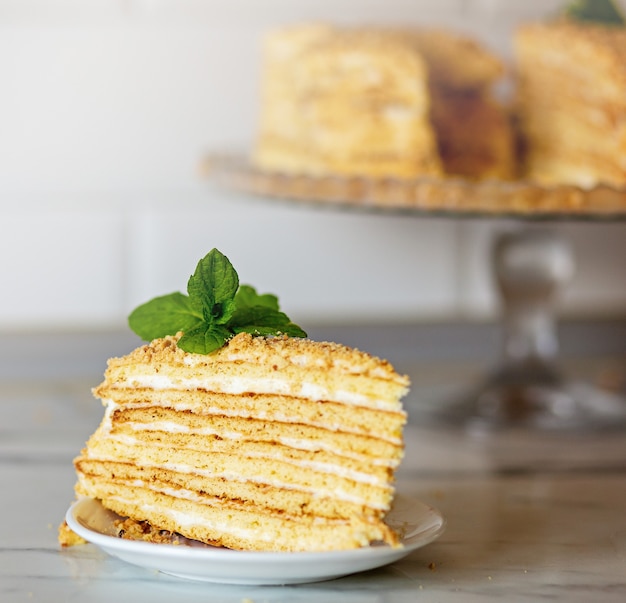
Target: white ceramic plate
<point>418,523</point>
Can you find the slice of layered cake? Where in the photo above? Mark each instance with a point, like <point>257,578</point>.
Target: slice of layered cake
<point>571,102</point>
<point>252,440</point>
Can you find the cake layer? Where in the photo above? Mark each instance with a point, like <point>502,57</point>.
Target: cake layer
<point>319,460</point>
<point>326,480</point>
<point>226,523</point>
<point>183,428</point>
<point>290,367</point>
<point>332,416</point>
<point>293,502</point>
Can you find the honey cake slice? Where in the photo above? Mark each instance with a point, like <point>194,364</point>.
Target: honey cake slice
<point>274,443</point>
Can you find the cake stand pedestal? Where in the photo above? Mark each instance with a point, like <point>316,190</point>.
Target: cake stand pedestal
<point>528,388</point>
<point>530,266</point>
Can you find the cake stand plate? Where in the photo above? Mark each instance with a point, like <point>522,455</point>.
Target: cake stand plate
<point>453,197</point>
<point>530,265</point>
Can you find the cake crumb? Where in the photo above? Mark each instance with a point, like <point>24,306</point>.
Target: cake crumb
<point>432,566</point>
<point>130,529</point>
<point>67,537</point>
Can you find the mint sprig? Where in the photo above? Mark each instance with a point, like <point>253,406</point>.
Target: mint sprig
<point>215,309</point>
<point>595,11</point>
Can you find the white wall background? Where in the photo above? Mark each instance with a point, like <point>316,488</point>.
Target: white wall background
<point>106,109</point>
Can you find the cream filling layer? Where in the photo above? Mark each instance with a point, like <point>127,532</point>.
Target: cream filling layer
<point>188,520</point>
<point>356,476</point>
<point>111,406</point>
<point>297,443</point>
<point>190,495</point>
<point>301,360</point>
<point>337,494</point>
<point>241,385</point>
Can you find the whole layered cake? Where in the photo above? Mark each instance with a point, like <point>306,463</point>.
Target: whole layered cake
<point>254,437</point>
<point>381,102</point>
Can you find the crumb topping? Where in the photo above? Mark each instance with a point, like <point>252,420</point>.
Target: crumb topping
<point>273,351</point>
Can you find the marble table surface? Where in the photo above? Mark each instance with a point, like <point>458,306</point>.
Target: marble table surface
<point>530,516</point>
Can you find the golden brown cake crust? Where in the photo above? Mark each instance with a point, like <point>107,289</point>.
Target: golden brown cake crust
<point>269,350</point>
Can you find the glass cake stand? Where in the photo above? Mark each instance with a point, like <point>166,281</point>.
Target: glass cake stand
<point>530,266</point>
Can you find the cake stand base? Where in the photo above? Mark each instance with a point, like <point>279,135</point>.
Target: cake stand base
<point>538,400</point>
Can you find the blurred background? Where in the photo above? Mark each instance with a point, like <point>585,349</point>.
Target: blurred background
<point>107,109</point>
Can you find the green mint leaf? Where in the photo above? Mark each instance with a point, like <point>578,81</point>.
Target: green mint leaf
<point>215,309</point>
<point>204,339</point>
<point>260,320</point>
<point>213,286</point>
<point>596,11</point>
<point>165,315</point>
<point>260,315</point>
<point>248,297</point>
